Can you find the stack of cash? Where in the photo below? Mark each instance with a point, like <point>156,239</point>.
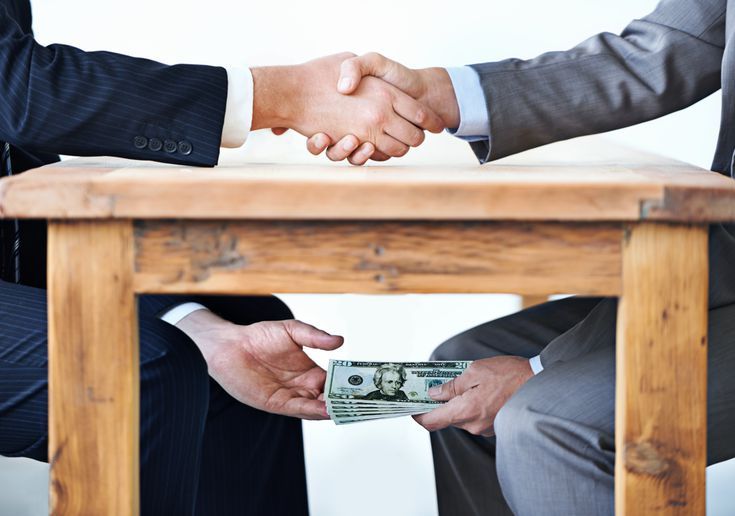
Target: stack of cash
<point>361,391</point>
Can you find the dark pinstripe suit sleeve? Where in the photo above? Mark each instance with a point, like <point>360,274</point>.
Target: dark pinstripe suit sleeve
<point>661,63</point>
<point>63,100</point>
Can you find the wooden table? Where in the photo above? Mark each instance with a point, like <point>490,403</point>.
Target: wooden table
<point>575,217</point>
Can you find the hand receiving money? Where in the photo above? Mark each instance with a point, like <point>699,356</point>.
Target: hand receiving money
<point>361,391</point>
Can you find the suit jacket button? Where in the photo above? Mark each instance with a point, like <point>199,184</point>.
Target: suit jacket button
<point>169,146</point>
<point>185,147</point>
<point>140,142</point>
<point>155,144</point>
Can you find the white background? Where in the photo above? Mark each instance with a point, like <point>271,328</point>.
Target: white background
<point>341,461</point>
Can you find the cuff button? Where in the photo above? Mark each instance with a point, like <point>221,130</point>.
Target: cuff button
<point>169,146</point>
<point>140,142</point>
<point>155,144</point>
<point>185,147</point>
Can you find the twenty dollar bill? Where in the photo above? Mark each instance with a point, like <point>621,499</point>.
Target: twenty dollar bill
<point>358,391</point>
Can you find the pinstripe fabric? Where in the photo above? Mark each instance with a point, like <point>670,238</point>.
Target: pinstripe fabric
<point>202,452</point>
<point>61,100</point>
<point>9,229</point>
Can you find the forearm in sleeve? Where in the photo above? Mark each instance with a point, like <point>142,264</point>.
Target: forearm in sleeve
<point>659,64</point>
<point>60,99</point>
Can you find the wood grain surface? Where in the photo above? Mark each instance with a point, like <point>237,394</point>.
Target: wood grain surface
<point>389,257</point>
<point>661,420</point>
<point>566,181</point>
<point>93,369</point>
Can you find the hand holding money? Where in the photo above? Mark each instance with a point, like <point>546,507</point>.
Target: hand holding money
<point>361,391</point>
<point>474,398</point>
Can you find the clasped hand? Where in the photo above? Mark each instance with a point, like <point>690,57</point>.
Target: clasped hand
<point>356,108</point>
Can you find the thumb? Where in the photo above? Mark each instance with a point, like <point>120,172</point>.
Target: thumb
<point>354,69</point>
<point>444,392</point>
<point>455,387</point>
<point>306,335</point>
<point>351,72</point>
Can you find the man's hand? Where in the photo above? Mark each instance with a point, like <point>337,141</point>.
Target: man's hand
<point>304,98</point>
<point>475,397</point>
<point>263,364</point>
<point>432,87</point>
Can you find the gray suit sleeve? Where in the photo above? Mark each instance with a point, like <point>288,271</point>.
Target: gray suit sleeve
<point>661,63</point>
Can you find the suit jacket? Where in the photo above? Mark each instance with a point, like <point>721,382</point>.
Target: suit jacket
<point>680,53</point>
<point>61,100</point>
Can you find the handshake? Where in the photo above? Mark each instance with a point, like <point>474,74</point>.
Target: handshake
<point>354,107</point>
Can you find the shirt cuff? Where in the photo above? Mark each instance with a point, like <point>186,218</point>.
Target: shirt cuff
<point>474,123</point>
<point>174,315</point>
<point>535,363</point>
<point>239,107</point>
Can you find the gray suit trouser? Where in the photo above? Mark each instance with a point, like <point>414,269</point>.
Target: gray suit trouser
<point>554,449</point>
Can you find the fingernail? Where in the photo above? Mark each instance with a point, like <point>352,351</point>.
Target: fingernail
<point>348,145</point>
<point>345,83</point>
<point>319,141</point>
<point>435,391</point>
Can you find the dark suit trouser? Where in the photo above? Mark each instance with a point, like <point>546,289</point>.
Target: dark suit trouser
<point>554,449</point>
<point>202,452</point>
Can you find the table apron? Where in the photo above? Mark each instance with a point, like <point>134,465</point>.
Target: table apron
<point>263,257</point>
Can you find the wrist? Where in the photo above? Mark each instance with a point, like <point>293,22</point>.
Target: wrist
<point>207,330</point>
<point>438,93</point>
<point>276,96</point>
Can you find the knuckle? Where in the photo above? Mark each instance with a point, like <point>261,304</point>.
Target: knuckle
<point>421,116</point>
<point>447,387</point>
<point>375,117</point>
<point>452,388</point>
<point>384,95</point>
<point>373,56</point>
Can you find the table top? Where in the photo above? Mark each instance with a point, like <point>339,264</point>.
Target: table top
<point>586,179</point>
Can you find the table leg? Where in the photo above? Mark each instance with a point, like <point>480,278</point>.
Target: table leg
<point>93,369</point>
<point>661,412</point>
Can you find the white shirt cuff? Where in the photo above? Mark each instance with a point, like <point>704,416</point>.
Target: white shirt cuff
<point>535,363</point>
<point>239,107</point>
<point>177,313</point>
<point>474,123</point>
